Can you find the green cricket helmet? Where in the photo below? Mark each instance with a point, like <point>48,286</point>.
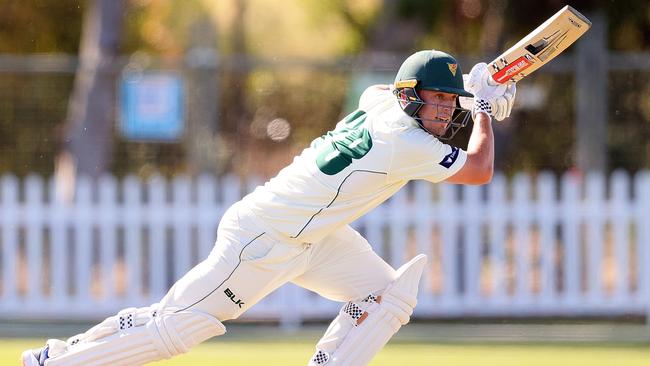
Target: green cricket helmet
<point>436,71</point>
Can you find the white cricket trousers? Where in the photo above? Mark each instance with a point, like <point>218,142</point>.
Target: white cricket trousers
<point>248,262</point>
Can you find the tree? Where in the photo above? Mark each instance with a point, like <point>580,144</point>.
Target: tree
<point>88,133</point>
<point>40,26</point>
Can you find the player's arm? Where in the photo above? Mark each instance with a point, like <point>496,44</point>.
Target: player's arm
<point>489,99</point>
<point>479,165</point>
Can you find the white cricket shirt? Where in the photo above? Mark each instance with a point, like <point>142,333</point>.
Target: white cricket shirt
<point>367,158</point>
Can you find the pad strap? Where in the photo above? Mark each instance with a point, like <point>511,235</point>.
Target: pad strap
<point>362,328</point>
<point>136,336</point>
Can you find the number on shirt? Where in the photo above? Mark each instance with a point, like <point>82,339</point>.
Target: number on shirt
<point>347,141</point>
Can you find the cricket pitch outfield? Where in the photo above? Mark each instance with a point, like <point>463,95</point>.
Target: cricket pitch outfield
<point>288,353</point>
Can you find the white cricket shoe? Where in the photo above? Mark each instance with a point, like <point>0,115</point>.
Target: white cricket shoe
<point>35,357</point>
<point>38,356</point>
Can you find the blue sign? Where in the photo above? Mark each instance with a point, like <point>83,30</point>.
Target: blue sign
<point>152,106</point>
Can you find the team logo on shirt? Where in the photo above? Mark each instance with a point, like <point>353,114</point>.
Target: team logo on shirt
<point>450,158</point>
<point>452,68</point>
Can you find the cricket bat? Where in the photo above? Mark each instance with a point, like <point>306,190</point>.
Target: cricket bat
<point>539,46</point>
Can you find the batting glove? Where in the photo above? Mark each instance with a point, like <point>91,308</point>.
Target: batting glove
<point>489,96</point>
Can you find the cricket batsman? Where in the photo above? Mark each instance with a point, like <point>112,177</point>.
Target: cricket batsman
<point>295,228</point>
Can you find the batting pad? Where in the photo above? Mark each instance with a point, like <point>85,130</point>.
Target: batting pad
<point>136,336</point>
<point>363,328</point>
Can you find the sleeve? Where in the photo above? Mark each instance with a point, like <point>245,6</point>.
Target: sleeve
<point>418,155</point>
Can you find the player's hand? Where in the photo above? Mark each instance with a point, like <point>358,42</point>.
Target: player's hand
<point>489,96</point>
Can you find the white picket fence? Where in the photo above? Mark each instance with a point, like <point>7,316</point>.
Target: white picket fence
<point>528,246</point>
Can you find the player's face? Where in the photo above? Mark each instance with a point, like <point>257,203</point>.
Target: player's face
<point>437,111</point>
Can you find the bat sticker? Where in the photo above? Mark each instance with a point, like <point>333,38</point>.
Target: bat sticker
<point>513,69</point>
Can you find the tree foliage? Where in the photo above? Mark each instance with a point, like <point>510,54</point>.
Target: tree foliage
<point>40,26</point>
<point>292,61</point>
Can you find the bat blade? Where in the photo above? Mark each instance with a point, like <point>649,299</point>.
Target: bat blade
<point>540,46</point>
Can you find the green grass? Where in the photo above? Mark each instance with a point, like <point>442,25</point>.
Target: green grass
<point>288,353</point>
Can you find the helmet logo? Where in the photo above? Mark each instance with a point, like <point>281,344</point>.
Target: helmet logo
<point>452,68</point>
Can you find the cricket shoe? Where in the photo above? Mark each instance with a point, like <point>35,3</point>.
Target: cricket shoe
<point>38,356</point>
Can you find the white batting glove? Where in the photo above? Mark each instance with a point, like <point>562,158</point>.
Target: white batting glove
<point>489,96</point>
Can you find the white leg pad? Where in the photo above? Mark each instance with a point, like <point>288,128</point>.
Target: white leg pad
<point>136,336</point>
<point>363,328</point>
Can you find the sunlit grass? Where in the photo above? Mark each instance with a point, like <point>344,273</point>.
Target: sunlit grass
<point>288,353</point>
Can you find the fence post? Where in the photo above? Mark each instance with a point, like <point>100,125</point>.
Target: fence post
<point>9,220</point>
<point>472,253</point>
<point>181,217</point>
<point>158,213</point>
<point>208,214</point>
<point>521,222</point>
<point>497,215</point>
<point>572,265</point>
<point>291,314</point>
<point>374,224</point>
<point>642,194</point>
<point>108,212</point>
<point>619,213</point>
<point>595,222</point>
<point>132,239</point>
<point>83,223</point>
<point>34,230</point>
<point>423,220</point>
<point>59,253</point>
<point>398,213</point>
<point>546,218</point>
<point>450,203</point>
